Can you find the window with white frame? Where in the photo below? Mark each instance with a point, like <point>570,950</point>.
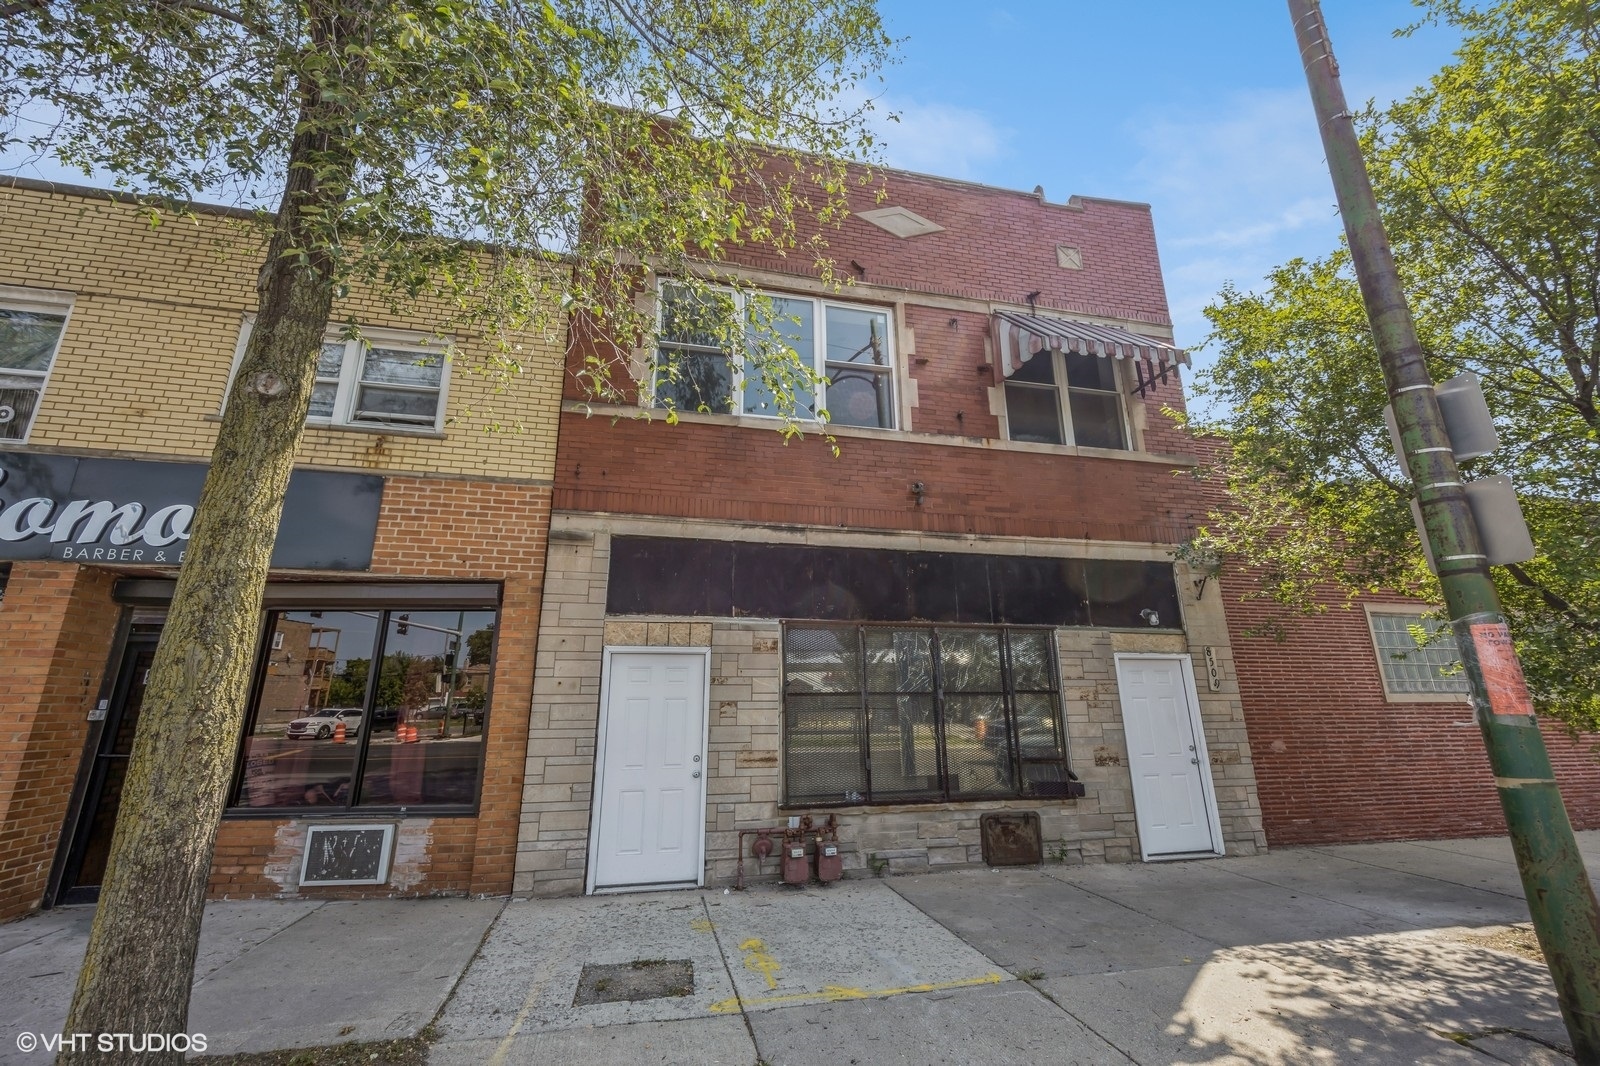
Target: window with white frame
<point>30,335</point>
<point>1417,655</point>
<point>1066,398</point>
<point>374,377</point>
<point>703,365</point>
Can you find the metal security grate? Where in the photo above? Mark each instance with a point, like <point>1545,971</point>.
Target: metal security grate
<point>900,714</point>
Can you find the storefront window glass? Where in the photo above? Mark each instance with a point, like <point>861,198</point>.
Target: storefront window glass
<point>325,732</point>
<point>891,714</point>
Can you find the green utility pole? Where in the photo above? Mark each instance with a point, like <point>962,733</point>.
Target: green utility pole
<point>1557,887</point>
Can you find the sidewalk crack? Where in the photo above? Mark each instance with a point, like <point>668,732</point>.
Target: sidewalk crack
<point>716,935</point>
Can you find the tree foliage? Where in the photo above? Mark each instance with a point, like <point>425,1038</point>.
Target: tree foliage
<point>517,162</point>
<point>1489,183</point>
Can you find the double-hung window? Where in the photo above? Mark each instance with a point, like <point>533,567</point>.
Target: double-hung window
<point>368,708</point>
<point>1417,656</point>
<point>911,714</point>
<point>1066,398</point>
<point>30,335</point>
<point>377,378</point>
<point>720,351</point>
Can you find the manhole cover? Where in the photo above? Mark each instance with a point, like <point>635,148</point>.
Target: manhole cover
<point>629,982</point>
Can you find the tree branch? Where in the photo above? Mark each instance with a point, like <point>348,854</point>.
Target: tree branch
<point>1553,600</point>
<point>206,8</point>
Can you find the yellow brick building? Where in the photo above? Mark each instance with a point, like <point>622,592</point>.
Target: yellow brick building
<point>157,310</point>
<point>409,656</point>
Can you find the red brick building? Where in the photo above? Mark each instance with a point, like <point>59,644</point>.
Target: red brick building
<point>1359,735</point>
<point>970,610</point>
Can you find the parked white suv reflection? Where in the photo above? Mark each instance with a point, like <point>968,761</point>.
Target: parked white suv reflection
<point>322,724</point>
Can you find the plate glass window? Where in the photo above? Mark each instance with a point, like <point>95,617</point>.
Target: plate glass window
<point>1429,666</point>
<point>885,714</point>
<point>327,728</point>
<point>1066,398</point>
<point>29,338</point>
<point>785,339</point>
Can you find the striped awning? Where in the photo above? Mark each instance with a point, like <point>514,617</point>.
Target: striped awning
<point>1019,336</point>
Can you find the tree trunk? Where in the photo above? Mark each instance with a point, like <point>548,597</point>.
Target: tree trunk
<point>139,967</point>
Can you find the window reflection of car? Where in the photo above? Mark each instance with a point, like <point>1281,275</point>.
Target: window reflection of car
<point>324,723</point>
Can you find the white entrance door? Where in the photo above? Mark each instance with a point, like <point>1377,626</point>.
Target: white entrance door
<point>651,784</point>
<point>1171,790</point>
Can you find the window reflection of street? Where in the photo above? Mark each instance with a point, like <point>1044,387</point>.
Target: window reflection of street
<point>411,735</point>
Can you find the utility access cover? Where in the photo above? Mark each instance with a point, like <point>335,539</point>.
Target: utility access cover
<point>630,982</point>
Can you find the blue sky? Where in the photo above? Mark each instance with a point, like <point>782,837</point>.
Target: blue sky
<point>1199,109</point>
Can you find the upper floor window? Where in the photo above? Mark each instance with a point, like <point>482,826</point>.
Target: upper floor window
<point>30,334</point>
<point>1059,397</point>
<point>376,378</point>
<point>707,339</point>
<point>1417,655</point>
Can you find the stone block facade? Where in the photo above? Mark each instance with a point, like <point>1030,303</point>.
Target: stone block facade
<point>744,785</point>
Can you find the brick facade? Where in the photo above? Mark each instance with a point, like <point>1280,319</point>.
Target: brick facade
<point>1339,761</point>
<point>945,479</point>
<point>55,633</point>
<point>155,321</point>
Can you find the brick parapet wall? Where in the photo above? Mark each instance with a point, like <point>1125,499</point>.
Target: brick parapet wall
<point>56,623</point>
<point>996,244</point>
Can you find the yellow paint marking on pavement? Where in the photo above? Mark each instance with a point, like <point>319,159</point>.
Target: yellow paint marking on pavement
<point>760,961</point>
<point>839,993</point>
<point>701,925</point>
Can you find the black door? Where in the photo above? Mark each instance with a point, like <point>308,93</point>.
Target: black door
<point>91,844</point>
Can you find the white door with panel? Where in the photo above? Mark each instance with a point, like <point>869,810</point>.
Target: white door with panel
<point>1170,790</point>
<point>651,787</point>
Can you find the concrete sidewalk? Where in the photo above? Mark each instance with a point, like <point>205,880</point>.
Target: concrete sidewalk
<point>1366,953</point>
<point>270,974</point>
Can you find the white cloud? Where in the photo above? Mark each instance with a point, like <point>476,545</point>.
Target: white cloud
<point>1238,185</point>
<point>937,138</point>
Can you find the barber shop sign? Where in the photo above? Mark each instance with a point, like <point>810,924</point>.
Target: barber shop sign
<point>131,512</point>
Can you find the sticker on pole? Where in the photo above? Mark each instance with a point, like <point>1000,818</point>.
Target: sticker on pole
<point>1502,674</point>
